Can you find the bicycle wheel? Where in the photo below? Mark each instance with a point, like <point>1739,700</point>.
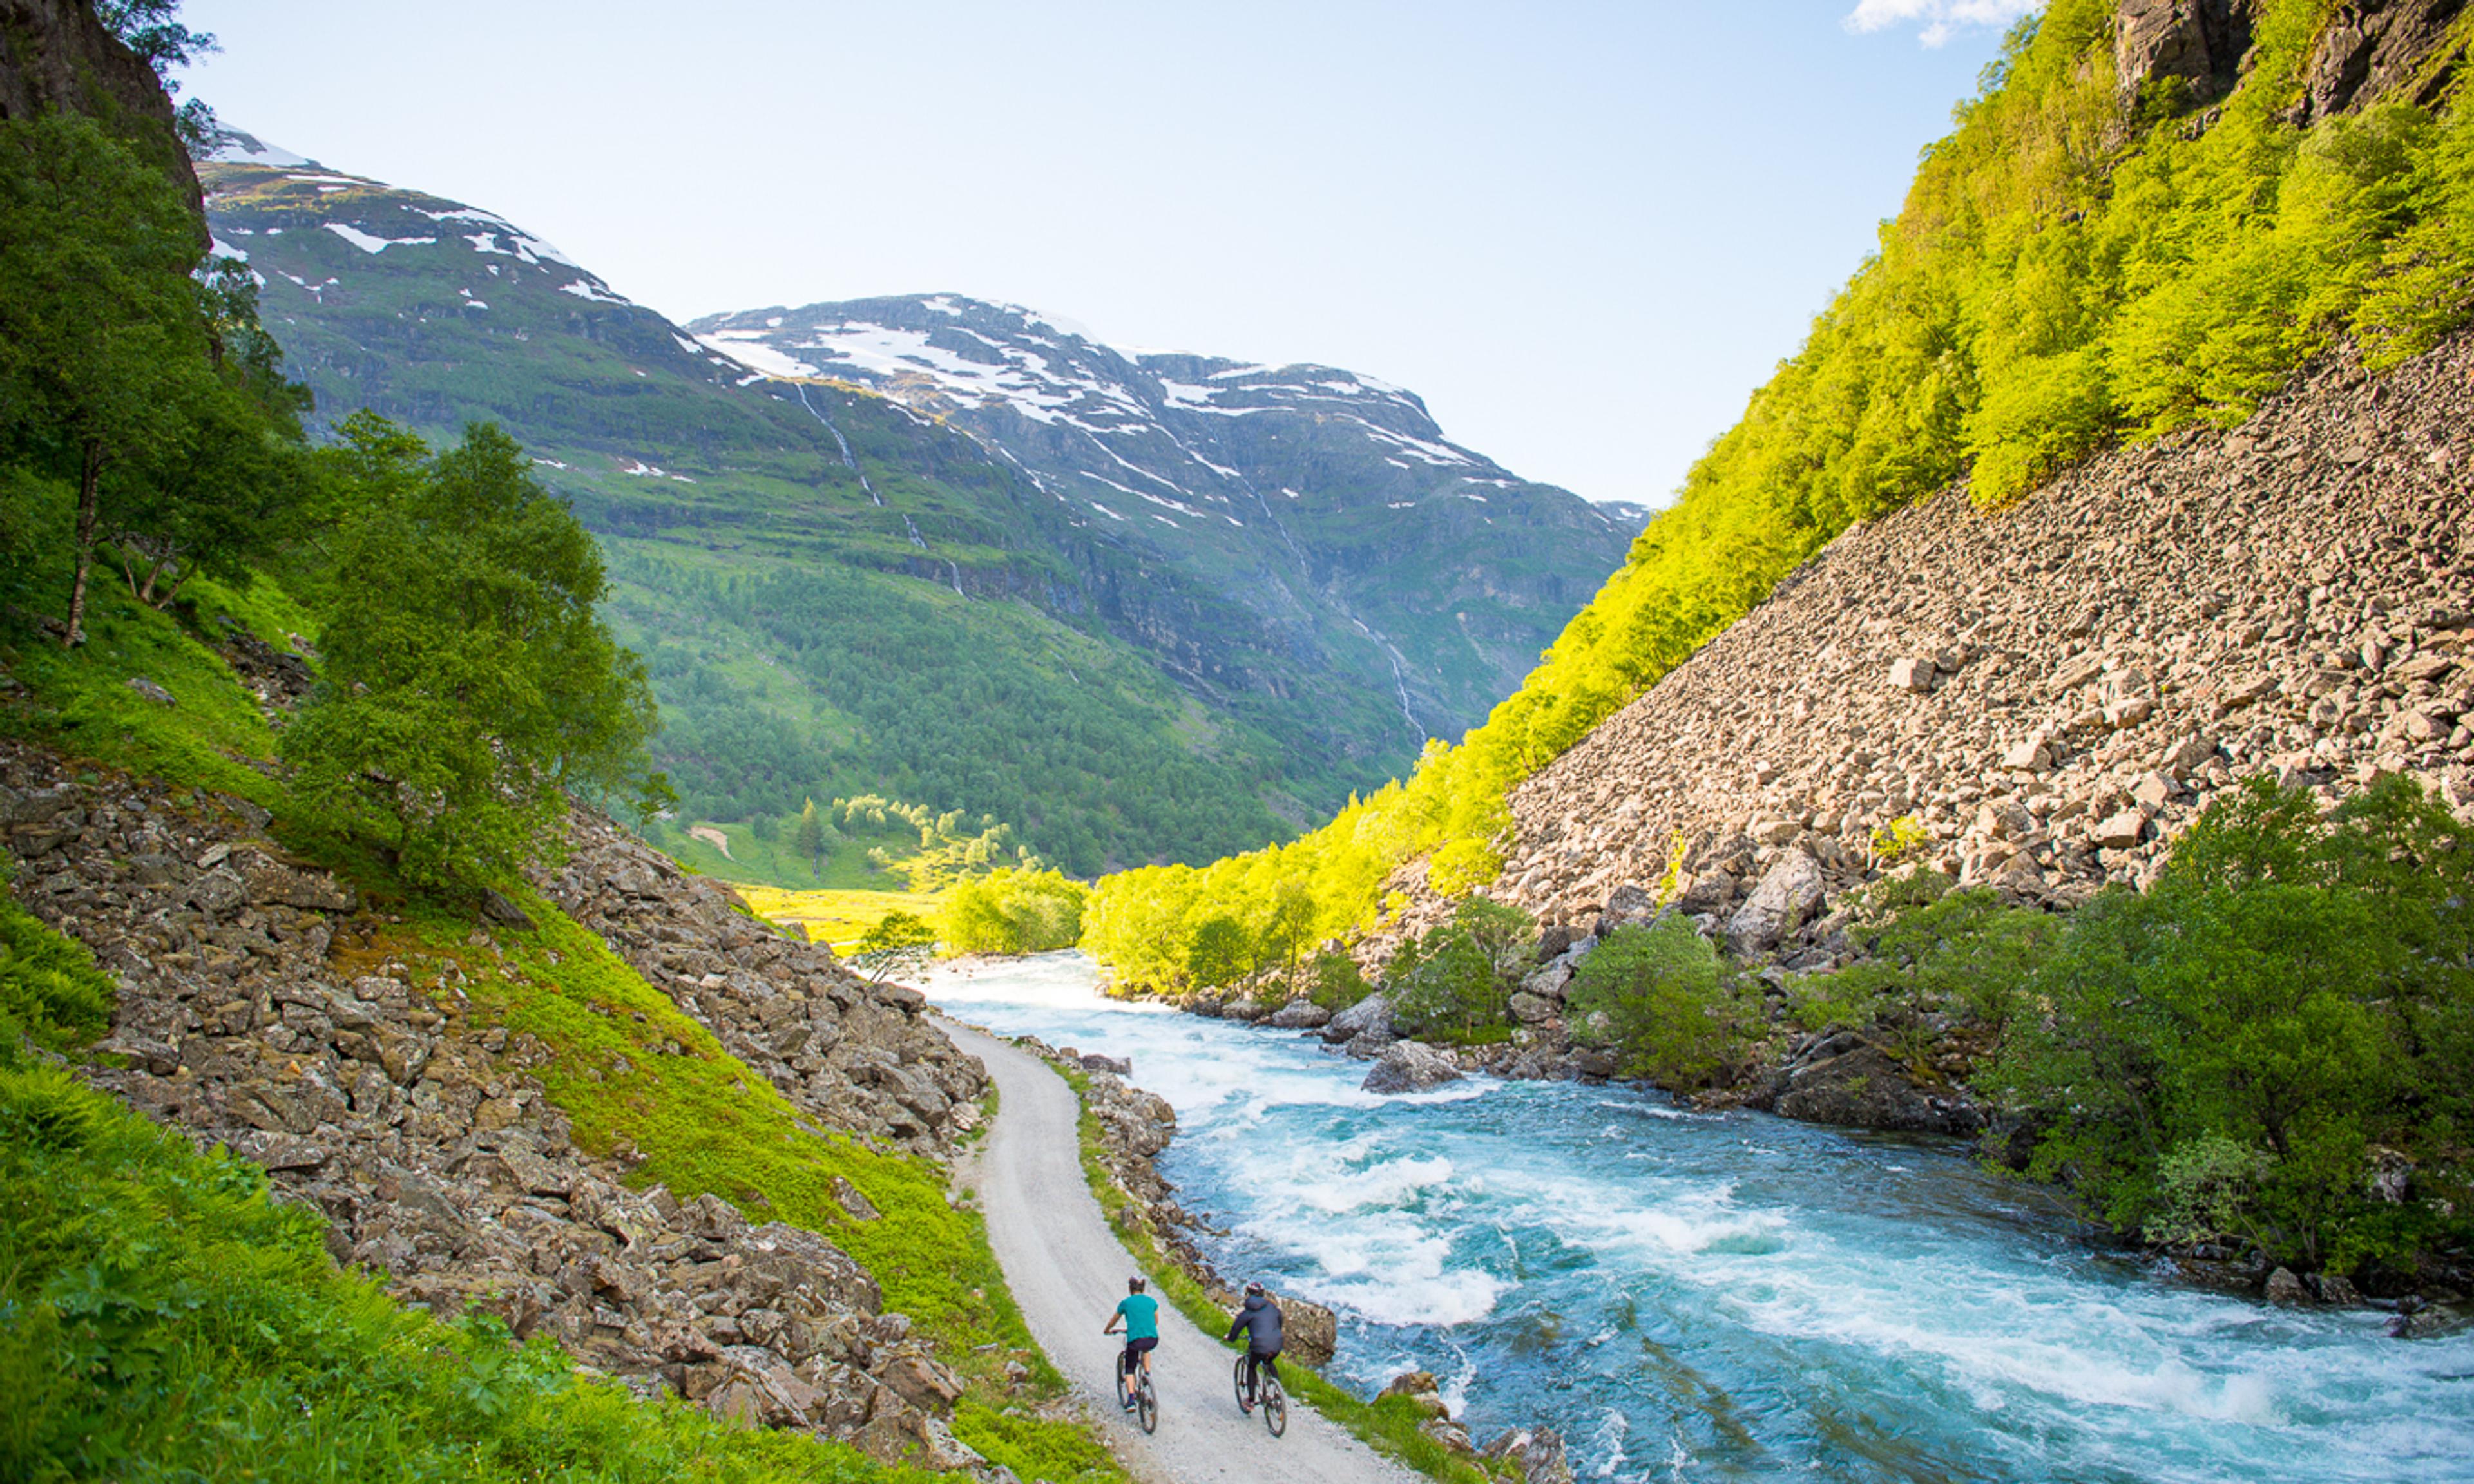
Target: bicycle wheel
<point>1147,1404</point>
<point>1275,1406</point>
<point>1245,1401</point>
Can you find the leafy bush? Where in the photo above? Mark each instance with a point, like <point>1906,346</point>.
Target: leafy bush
<point>1658,997</point>
<point>2295,992</point>
<point>1221,953</point>
<point>1335,982</point>
<point>1455,981</point>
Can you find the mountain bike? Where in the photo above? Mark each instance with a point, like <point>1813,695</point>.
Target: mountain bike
<point>1146,1400</point>
<point>1274,1401</point>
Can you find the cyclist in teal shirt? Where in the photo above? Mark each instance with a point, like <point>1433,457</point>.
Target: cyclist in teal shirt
<point>1139,1312</point>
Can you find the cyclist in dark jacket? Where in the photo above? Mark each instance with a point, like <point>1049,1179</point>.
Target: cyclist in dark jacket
<point>1260,1320</point>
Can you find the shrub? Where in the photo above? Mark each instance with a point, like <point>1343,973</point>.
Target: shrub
<point>1455,982</point>
<point>1337,982</point>
<point>1658,998</point>
<point>1931,950</point>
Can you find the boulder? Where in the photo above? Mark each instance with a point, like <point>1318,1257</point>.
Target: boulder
<point>1531,1009</point>
<point>2120,831</point>
<point>1246,1008</point>
<point>1300,1014</point>
<point>1537,1452</point>
<point>1420,1388</point>
<point>150,691</point>
<point>2283,1287</point>
<point>1848,1080</point>
<point>1788,895</point>
<point>1309,1331</point>
<point>1094,1062</point>
<point>1410,1067</point>
<point>1368,1013</point>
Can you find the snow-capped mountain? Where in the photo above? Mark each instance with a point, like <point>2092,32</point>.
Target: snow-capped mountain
<point>1208,594</point>
<point>1319,498</point>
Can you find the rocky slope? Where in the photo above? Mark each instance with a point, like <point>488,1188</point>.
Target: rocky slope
<point>2052,691</point>
<point>1327,502</point>
<point>255,1011</point>
<point>2036,700</point>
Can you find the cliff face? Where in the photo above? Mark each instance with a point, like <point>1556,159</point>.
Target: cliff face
<point>2049,694</point>
<point>53,54</point>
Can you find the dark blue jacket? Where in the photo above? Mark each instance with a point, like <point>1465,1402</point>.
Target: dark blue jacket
<point>1260,1319</point>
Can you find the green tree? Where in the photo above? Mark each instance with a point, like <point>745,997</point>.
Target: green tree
<point>1658,997</point>
<point>1220,953</point>
<point>103,350</point>
<point>2293,993</point>
<point>1288,927</point>
<point>813,837</point>
<point>895,942</point>
<point>468,685</point>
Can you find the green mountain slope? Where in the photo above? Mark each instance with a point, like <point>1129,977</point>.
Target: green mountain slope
<point>910,618</point>
<point>841,594</point>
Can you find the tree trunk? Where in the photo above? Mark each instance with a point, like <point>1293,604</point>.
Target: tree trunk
<point>89,481</point>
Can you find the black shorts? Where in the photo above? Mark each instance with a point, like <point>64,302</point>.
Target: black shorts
<point>1134,1349</point>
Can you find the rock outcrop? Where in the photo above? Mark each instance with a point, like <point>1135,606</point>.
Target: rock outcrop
<point>423,1131</point>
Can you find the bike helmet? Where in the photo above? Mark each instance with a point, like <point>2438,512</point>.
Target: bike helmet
<point>1253,1290</point>
<point>1133,1285</point>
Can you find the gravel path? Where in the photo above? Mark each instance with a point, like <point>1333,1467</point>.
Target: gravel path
<point>1067,1271</point>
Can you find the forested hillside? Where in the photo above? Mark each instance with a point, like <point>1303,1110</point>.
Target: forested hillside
<point>2146,219</point>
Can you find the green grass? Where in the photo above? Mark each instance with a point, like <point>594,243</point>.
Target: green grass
<point>81,704</point>
<point>837,917</point>
<point>1389,1426</point>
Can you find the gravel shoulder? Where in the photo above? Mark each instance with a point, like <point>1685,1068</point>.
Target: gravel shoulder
<point>1067,1271</point>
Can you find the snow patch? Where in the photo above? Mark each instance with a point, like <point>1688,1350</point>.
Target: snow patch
<point>587,288</point>
<point>373,245</point>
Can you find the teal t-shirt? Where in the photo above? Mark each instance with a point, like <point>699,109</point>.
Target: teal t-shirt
<point>1142,1316</point>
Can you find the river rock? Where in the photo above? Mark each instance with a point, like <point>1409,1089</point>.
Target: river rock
<point>1300,1014</point>
<point>2283,1287</point>
<point>1537,1452</point>
<point>1371,1013</point>
<point>1309,1331</point>
<point>1846,1080</point>
<point>1410,1067</point>
<point>1246,1008</point>
<point>1422,1390</point>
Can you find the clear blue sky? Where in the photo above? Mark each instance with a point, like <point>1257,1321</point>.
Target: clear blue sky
<point>1582,232</point>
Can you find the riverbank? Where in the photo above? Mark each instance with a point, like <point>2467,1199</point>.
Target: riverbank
<point>1728,1289</point>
